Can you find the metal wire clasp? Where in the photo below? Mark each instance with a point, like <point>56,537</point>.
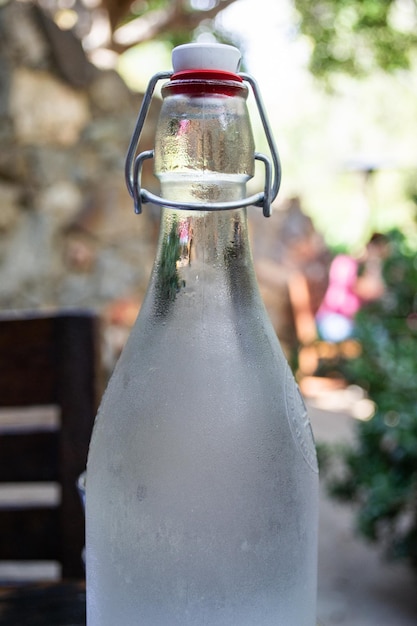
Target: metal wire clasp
<point>134,162</point>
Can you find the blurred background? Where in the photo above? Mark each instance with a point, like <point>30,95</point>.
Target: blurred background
<point>339,81</point>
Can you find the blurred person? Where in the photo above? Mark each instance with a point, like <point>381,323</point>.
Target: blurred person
<point>352,282</point>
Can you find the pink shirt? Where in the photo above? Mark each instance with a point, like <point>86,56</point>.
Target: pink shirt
<point>340,296</point>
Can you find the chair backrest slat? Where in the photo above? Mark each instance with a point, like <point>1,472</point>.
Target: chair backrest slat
<point>49,360</point>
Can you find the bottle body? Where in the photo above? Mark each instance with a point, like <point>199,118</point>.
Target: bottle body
<point>202,477</point>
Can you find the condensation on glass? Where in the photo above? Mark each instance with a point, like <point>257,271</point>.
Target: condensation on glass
<point>202,475</point>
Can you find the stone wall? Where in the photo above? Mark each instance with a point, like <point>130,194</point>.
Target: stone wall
<point>68,234</point>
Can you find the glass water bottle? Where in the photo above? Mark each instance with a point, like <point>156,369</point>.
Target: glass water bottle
<point>202,483</point>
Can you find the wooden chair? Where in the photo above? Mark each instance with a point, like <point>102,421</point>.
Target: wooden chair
<point>47,360</point>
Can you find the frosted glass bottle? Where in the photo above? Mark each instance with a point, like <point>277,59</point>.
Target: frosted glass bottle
<point>201,492</point>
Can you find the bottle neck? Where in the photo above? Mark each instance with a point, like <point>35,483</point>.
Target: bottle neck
<point>204,154</point>
<point>203,263</point>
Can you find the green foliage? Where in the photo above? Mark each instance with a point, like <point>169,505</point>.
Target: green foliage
<point>356,36</point>
<point>379,472</point>
<point>168,278</point>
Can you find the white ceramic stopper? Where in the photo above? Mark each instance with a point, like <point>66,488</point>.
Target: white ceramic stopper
<point>207,56</point>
